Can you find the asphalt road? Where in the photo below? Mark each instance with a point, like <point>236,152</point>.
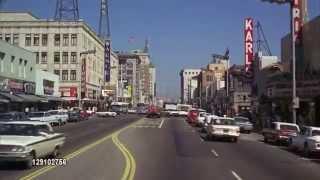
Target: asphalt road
<point>78,135</point>
<point>168,148</point>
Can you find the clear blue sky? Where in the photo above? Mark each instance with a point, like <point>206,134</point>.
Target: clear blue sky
<point>182,33</point>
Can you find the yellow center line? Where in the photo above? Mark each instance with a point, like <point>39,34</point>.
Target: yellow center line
<point>80,151</point>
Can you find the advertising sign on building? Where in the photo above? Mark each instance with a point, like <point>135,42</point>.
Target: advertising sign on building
<point>48,87</point>
<point>248,34</point>
<point>107,57</point>
<point>17,86</point>
<point>83,78</point>
<point>68,91</point>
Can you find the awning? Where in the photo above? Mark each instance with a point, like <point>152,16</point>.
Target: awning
<point>53,98</point>
<point>11,97</point>
<point>32,98</point>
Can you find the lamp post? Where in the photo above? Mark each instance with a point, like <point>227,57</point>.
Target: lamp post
<point>295,100</point>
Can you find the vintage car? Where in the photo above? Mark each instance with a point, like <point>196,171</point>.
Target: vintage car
<point>23,141</point>
<point>106,114</point>
<point>308,141</point>
<point>44,116</point>
<point>60,115</point>
<point>279,132</point>
<point>223,127</point>
<point>244,123</point>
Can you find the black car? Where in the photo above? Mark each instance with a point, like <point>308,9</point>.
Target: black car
<point>75,116</point>
<point>13,116</point>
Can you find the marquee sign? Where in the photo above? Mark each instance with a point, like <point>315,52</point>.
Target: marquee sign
<point>248,34</point>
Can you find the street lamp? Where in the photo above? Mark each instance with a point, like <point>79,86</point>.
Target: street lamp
<point>295,100</point>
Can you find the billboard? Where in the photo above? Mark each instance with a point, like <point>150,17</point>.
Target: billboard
<point>297,19</point>
<point>83,78</point>
<point>107,57</point>
<point>248,34</point>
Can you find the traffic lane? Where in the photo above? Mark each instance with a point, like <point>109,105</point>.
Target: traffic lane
<point>252,159</point>
<point>77,135</point>
<point>103,161</point>
<point>173,151</point>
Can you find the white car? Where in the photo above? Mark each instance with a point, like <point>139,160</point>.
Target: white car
<point>223,127</point>
<point>24,141</point>
<point>308,141</point>
<point>43,117</point>
<point>60,115</point>
<point>183,113</point>
<point>106,114</point>
<point>202,118</point>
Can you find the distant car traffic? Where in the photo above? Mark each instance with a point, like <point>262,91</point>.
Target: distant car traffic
<point>194,115</point>
<point>153,111</point>
<point>76,116</point>
<point>23,141</point>
<point>60,115</point>
<point>279,132</point>
<point>245,125</point>
<point>106,114</point>
<point>13,116</point>
<point>223,127</point>
<point>308,141</point>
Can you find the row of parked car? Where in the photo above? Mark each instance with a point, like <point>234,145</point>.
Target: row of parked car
<point>54,117</point>
<point>219,127</point>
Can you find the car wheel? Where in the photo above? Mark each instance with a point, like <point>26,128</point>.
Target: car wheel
<point>56,152</point>
<point>306,151</point>
<point>29,163</point>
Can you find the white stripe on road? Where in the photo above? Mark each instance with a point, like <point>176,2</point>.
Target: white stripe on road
<point>214,153</point>
<point>236,175</point>
<point>161,123</point>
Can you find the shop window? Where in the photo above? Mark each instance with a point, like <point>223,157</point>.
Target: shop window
<point>56,58</point>
<point>44,39</point>
<point>28,40</point>
<point>36,40</point>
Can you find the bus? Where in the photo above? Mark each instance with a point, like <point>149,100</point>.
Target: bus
<point>119,107</point>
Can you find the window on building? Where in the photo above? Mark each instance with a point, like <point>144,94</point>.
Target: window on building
<point>28,40</point>
<point>57,39</point>
<point>36,39</point>
<point>65,75</point>
<point>37,57</point>
<point>73,58</point>
<point>12,64</point>
<point>16,39</point>
<point>73,39</point>
<point>73,75</point>
<point>65,39</point>
<point>1,38</point>
<point>57,72</point>
<point>24,69</point>
<point>44,57</point>
<point>56,58</point>
<point>7,38</point>
<point>2,61</point>
<point>65,58</point>
<point>44,39</point>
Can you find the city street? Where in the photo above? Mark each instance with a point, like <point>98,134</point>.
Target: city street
<point>166,148</point>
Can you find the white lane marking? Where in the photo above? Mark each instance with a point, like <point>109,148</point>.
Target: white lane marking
<point>236,175</point>
<point>161,123</point>
<point>214,153</point>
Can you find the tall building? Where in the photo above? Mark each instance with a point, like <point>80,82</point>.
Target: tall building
<point>189,84</point>
<point>61,47</point>
<point>136,76</point>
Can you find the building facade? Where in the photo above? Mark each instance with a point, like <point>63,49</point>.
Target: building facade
<point>188,85</point>
<point>60,47</point>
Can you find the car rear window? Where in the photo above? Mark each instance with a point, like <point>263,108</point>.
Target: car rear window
<point>288,127</point>
<point>316,133</point>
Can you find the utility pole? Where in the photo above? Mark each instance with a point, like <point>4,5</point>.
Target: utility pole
<point>67,10</point>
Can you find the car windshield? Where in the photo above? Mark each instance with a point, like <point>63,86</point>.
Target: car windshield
<point>6,116</point>
<point>18,130</point>
<point>288,127</point>
<point>316,133</point>
<point>53,112</point>
<point>36,114</point>
<point>222,121</point>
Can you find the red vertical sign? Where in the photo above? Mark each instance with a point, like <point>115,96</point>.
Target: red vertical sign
<point>248,34</point>
<point>297,20</point>
<point>83,76</point>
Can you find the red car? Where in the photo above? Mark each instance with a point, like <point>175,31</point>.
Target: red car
<point>153,111</point>
<point>192,116</point>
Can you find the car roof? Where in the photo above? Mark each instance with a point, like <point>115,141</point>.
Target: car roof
<point>312,127</point>
<point>25,122</point>
<point>285,123</point>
